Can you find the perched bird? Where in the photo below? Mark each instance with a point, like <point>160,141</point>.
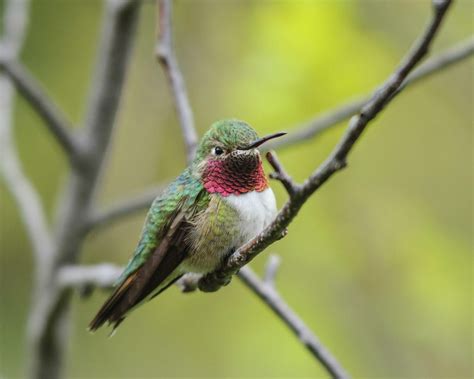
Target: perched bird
<point>220,201</point>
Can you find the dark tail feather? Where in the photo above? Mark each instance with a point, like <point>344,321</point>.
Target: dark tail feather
<point>114,309</point>
<point>130,293</point>
<point>164,260</point>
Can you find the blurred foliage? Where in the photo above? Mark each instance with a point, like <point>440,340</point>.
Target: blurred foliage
<point>379,261</point>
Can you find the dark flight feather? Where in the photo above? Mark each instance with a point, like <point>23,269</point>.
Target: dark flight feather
<point>163,261</point>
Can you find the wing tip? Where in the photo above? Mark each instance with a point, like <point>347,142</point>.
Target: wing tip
<point>97,322</point>
<point>111,311</point>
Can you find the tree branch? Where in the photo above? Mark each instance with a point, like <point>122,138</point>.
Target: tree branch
<point>98,276</point>
<point>29,203</point>
<point>271,269</point>
<point>166,57</point>
<point>109,76</point>
<point>53,118</point>
<point>321,123</point>
<point>335,162</point>
<point>267,292</point>
<point>123,208</point>
<point>310,130</point>
<point>104,276</point>
<point>281,174</point>
<point>49,316</point>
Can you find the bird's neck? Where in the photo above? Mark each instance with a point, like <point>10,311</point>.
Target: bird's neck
<point>230,178</point>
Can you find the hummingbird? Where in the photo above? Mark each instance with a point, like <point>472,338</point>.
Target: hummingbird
<point>219,202</point>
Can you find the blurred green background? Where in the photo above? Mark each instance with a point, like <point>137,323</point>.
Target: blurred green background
<point>379,261</point>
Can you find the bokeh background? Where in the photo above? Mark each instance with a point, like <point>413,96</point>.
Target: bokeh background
<point>379,261</point>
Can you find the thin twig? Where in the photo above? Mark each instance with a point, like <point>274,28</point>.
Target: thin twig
<point>271,297</point>
<point>320,123</point>
<point>335,162</point>
<point>124,208</point>
<point>454,54</point>
<point>166,57</point>
<point>26,196</point>
<point>98,276</point>
<point>57,123</point>
<point>271,269</point>
<point>281,174</point>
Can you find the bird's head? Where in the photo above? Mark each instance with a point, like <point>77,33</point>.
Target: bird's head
<point>228,158</point>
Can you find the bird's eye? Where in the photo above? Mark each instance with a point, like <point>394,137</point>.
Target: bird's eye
<point>217,150</point>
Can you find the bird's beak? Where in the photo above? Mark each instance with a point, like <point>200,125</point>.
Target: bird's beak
<point>262,140</point>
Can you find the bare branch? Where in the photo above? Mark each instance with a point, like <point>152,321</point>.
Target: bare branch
<point>105,275</point>
<point>441,61</point>
<point>444,60</point>
<point>271,269</point>
<point>280,174</point>
<point>29,203</point>
<point>22,190</point>
<point>109,76</point>
<point>52,116</point>
<point>124,208</point>
<point>49,316</point>
<point>98,276</point>
<point>188,282</point>
<point>320,123</point>
<point>335,162</point>
<point>454,54</point>
<point>15,24</point>
<point>270,296</point>
<point>166,57</point>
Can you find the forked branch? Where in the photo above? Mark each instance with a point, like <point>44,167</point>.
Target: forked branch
<point>311,129</point>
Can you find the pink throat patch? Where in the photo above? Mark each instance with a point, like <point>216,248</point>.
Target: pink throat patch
<point>225,180</point>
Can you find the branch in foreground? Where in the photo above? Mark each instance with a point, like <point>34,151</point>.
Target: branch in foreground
<point>266,291</point>
<point>310,130</point>
<point>52,116</point>
<point>165,54</point>
<point>320,123</point>
<point>335,162</point>
<point>280,174</point>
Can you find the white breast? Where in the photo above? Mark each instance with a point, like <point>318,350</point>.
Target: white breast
<point>256,210</point>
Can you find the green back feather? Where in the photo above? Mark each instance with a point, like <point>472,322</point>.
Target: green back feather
<point>182,195</point>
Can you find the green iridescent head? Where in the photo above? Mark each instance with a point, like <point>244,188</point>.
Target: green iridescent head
<point>229,136</point>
